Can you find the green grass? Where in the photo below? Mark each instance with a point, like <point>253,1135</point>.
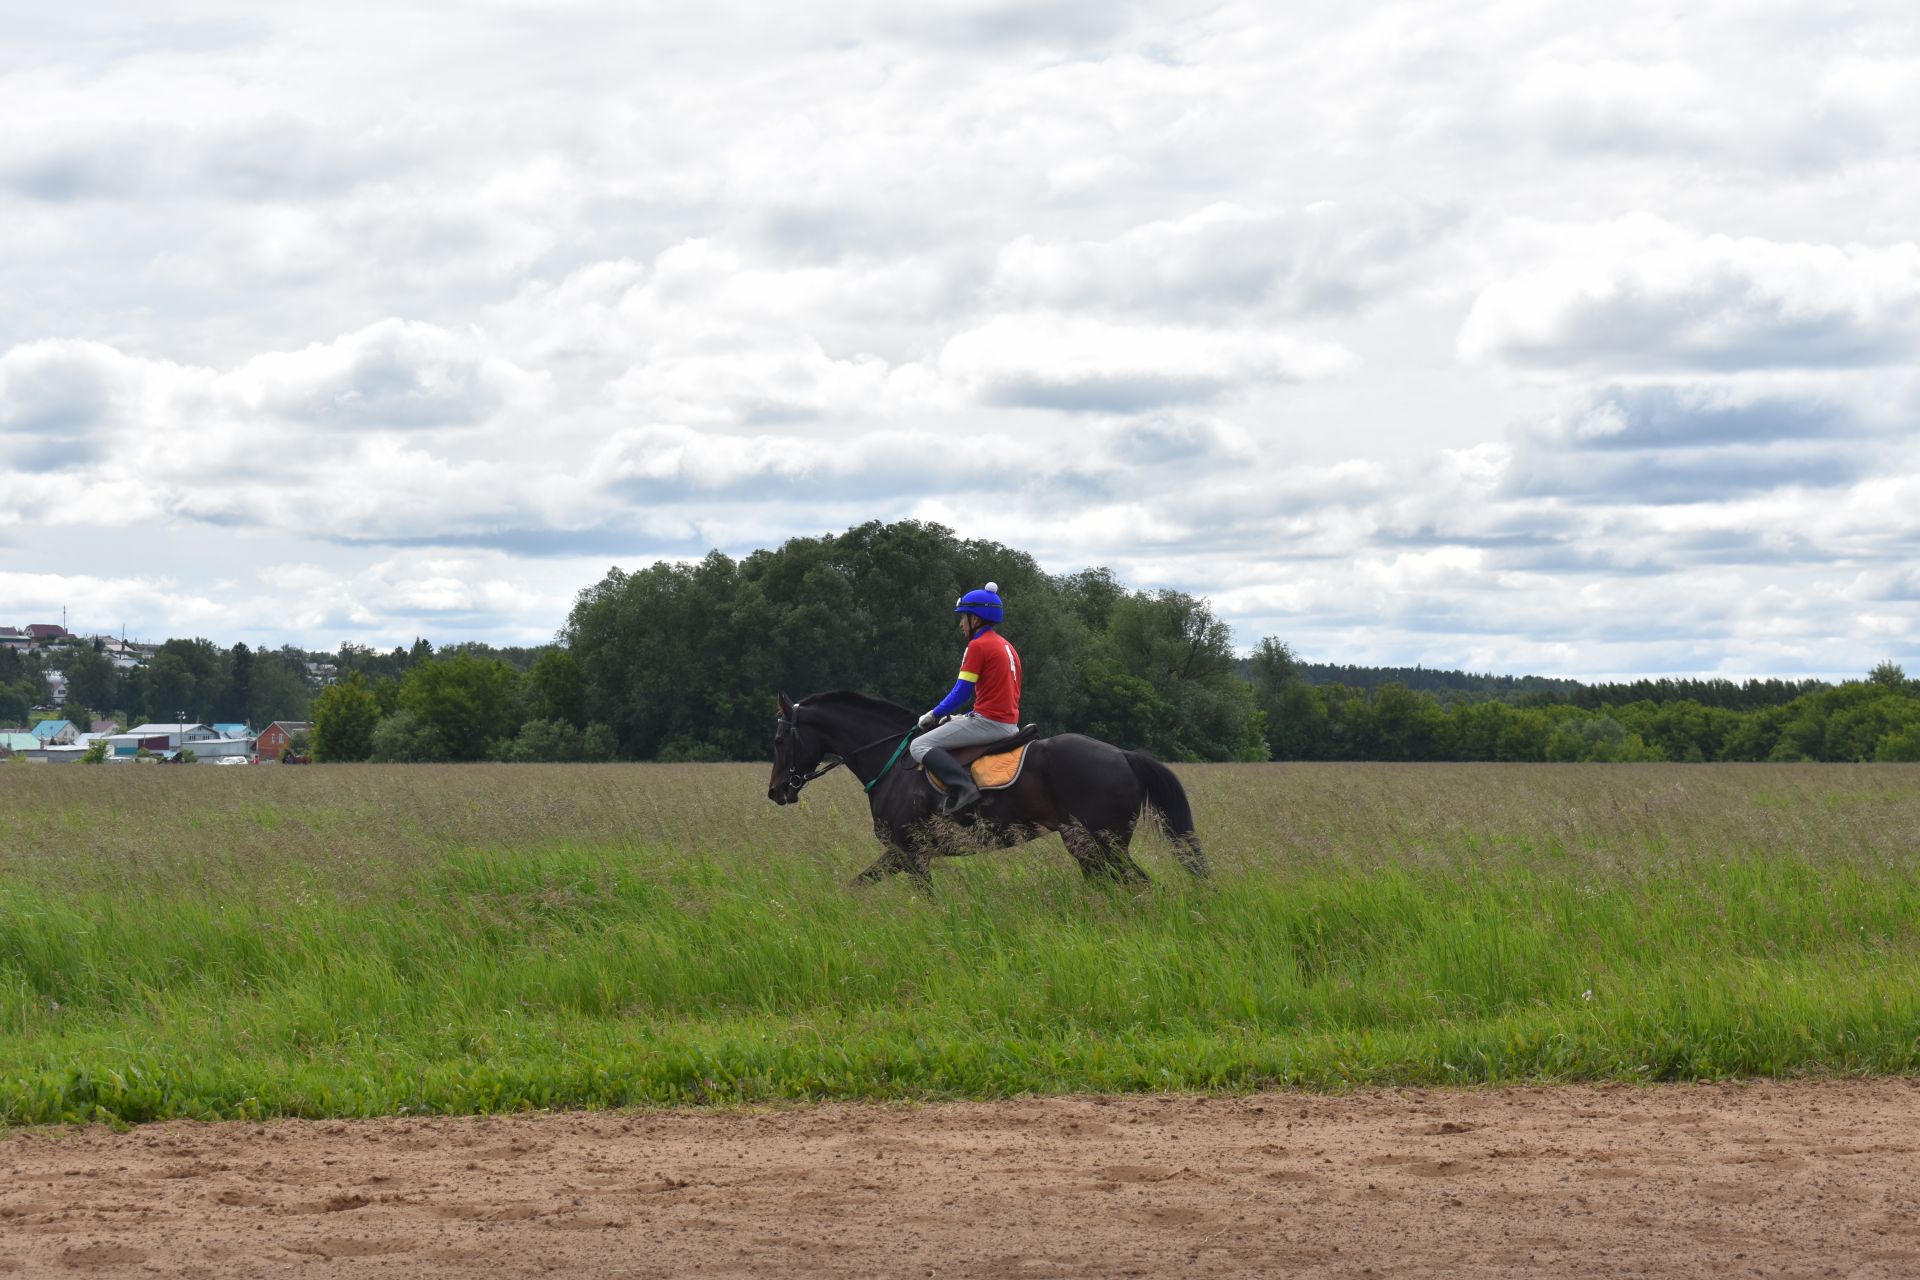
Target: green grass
<point>368,940</point>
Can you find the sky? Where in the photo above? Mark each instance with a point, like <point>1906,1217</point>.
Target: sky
<point>1517,337</point>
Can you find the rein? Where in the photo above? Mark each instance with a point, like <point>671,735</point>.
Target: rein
<point>797,780</point>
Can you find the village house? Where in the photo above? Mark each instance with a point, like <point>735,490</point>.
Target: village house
<point>16,639</point>
<point>278,736</point>
<point>122,655</point>
<point>12,743</point>
<point>56,733</point>
<point>43,633</point>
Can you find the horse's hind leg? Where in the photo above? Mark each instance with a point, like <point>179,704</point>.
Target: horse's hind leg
<point>1084,849</point>
<point>1124,867</point>
<point>1192,856</point>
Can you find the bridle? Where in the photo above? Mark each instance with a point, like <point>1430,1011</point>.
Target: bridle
<point>797,779</point>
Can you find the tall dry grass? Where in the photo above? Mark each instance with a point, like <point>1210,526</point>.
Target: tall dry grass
<point>371,939</point>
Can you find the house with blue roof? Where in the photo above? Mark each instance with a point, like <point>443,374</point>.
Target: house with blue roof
<point>14,743</point>
<point>233,730</point>
<point>56,733</point>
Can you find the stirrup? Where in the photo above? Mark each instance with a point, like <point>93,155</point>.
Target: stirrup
<point>956,801</point>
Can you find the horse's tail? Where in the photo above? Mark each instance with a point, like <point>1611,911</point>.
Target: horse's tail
<point>1169,799</point>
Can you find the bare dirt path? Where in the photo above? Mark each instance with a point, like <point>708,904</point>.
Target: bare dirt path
<point>1766,1179</point>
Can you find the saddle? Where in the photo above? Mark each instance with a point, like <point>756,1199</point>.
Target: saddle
<point>994,765</point>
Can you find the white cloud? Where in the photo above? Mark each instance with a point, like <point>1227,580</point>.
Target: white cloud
<point>1509,336</point>
<point>1055,362</point>
<point>393,374</point>
<point>1643,296</point>
<point>1226,257</point>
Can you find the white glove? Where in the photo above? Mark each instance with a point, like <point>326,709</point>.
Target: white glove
<point>926,721</point>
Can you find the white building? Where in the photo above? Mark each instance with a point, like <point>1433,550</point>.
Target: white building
<point>55,755</point>
<point>160,736</point>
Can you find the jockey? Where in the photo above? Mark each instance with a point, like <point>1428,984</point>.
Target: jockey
<point>990,675</point>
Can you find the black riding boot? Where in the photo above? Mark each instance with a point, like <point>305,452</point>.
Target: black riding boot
<point>961,793</point>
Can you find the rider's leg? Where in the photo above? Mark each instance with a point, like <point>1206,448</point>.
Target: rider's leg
<point>932,747</point>
<point>961,792</point>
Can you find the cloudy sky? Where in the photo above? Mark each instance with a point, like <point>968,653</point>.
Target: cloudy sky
<point>1513,336</point>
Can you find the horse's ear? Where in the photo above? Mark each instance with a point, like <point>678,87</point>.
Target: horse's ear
<point>786,705</point>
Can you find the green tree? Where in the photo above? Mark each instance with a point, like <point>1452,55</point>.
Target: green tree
<point>92,680</point>
<point>183,681</point>
<point>1090,596</point>
<point>1173,641</point>
<point>1404,725</point>
<point>467,703</point>
<point>278,688</point>
<point>1859,717</point>
<point>694,654</point>
<point>344,718</point>
<point>236,698</point>
<point>1901,745</point>
<point>1524,736</point>
<point>1126,710</point>
<point>403,738</point>
<point>1296,723</point>
<point>556,688</point>
<point>597,743</point>
<point>558,741</point>
<point>1889,675</point>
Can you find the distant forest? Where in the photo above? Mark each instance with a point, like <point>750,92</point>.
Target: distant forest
<point>682,661</point>
<point>1450,687</point>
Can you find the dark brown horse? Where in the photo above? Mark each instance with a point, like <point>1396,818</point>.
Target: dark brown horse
<point>1091,792</point>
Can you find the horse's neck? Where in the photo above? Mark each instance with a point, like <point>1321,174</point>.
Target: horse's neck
<point>850,728</point>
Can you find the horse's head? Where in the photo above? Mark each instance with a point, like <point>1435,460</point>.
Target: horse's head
<point>796,756</point>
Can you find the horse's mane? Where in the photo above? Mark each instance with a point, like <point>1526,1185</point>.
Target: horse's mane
<point>857,701</point>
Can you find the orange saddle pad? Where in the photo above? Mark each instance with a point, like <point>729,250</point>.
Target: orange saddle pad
<point>991,773</point>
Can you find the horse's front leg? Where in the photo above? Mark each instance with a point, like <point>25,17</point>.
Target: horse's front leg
<point>1101,856</point>
<point>898,855</point>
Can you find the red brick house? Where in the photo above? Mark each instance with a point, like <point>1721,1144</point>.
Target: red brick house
<point>278,736</point>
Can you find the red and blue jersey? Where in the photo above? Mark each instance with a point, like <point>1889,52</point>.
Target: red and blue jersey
<point>990,671</point>
<point>993,668</point>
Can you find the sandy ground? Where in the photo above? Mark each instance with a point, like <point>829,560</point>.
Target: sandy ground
<point>1767,1179</point>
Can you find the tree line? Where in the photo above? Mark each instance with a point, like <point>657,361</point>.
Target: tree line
<point>1449,687</point>
<point>682,662</point>
<point>1873,719</point>
<point>185,679</point>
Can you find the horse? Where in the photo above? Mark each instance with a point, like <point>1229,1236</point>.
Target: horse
<point>1091,792</point>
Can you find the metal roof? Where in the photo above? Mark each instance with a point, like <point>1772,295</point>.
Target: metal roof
<point>50,728</point>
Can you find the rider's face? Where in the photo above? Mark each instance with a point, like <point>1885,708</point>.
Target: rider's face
<point>967,623</point>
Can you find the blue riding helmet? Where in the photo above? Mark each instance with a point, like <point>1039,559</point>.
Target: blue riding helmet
<point>984,605</point>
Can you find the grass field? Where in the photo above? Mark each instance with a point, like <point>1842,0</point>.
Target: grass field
<point>370,940</point>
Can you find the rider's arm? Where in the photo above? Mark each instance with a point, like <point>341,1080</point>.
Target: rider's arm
<point>958,696</point>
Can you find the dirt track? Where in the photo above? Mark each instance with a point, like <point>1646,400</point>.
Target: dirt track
<point>1806,1179</point>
